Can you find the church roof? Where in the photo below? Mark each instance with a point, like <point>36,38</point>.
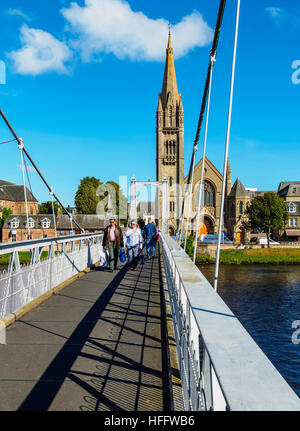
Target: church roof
<point>238,188</point>
<point>169,83</point>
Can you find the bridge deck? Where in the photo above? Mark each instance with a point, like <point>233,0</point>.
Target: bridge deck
<point>94,346</point>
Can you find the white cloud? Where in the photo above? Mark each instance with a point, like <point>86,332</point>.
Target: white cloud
<point>274,11</point>
<point>18,12</point>
<point>40,53</point>
<point>111,26</point>
<point>279,15</point>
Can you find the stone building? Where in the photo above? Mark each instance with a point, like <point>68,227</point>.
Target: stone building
<point>12,196</point>
<point>290,192</point>
<point>170,139</point>
<point>170,164</point>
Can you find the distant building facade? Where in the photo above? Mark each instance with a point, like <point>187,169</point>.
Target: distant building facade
<point>12,196</point>
<point>290,192</point>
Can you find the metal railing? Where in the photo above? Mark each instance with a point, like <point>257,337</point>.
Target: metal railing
<point>221,366</point>
<point>66,256</point>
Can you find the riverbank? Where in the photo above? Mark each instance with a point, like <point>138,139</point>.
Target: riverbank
<point>24,257</point>
<point>254,256</point>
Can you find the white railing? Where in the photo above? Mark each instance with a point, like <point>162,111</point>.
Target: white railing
<point>66,257</point>
<point>221,366</point>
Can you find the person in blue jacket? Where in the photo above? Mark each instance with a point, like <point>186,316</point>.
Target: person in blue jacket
<point>134,244</point>
<point>150,235</point>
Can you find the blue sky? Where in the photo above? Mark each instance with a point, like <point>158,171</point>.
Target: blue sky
<point>82,82</point>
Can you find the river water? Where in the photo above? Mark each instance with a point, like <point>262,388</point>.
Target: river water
<point>266,300</point>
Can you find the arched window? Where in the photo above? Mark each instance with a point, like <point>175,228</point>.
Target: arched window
<point>209,194</point>
<point>170,115</point>
<point>241,207</point>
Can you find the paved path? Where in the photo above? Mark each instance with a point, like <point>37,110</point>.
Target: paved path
<point>94,346</point>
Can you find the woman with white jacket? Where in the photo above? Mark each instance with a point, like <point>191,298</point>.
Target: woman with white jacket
<point>134,243</point>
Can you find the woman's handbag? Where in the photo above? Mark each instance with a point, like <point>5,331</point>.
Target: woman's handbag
<point>122,255</point>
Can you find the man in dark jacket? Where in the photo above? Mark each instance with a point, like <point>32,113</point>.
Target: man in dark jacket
<point>112,241</point>
<point>149,234</point>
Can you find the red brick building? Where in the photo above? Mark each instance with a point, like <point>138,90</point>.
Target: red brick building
<point>12,196</point>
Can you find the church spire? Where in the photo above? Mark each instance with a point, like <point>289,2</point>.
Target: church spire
<point>169,83</point>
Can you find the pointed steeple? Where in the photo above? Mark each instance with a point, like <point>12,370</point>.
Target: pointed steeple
<point>238,188</point>
<point>169,82</point>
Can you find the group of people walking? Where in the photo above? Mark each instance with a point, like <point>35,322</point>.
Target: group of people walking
<point>134,239</point>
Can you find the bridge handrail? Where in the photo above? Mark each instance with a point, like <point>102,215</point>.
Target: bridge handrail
<point>222,368</point>
<point>8,247</point>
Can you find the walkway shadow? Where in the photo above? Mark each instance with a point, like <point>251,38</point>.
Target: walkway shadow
<point>43,393</point>
<point>50,383</point>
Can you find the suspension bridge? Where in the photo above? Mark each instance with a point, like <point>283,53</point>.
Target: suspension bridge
<point>158,339</point>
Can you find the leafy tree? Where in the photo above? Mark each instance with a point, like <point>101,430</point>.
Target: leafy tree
<point>86,199</point>
<point>46,207</point>
<point>6,212</point>
<point>267,212</point>
<point>189,245</point>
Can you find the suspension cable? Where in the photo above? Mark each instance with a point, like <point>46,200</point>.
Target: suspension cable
<point>21,148</point>
<point>36,168</point>
<point>227,145</point>
<point>6,142</point>
<point>53,212</point>
<point>199,209</point>
<point>213,53</point>
<point>36,204</point>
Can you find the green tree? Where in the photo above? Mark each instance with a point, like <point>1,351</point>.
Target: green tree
<point>86,198</point>
<point>6,212</point>
<point>267,212</point>
<point>189,245</point>
<point>46,207</point>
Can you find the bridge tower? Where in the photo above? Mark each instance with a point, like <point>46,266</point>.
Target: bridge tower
<point>170,141</point>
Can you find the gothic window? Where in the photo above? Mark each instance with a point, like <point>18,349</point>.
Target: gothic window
<point>209,194</point>
<point>172,206</point>
<point>241,207</point>
<point>167,148</point>
<point>232,209</point>
<point>170,115</point>
<point>170,181</point>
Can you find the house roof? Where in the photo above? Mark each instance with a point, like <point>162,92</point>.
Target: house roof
<point>86,221</point>
<point>14,192</point>
<point>289,189</point>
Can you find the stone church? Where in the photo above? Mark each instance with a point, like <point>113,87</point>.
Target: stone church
<point>170,164</point>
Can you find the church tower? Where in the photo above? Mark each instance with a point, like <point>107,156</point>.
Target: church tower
<point>170,140</point>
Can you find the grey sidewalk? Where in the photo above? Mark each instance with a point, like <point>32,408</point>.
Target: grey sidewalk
<point>94,346</point>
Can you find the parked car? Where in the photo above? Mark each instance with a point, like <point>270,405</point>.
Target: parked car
<point>264,241</point>
<point>213,239</point>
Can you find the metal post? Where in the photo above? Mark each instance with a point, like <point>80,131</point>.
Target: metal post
<point>133,200</point>
<point>165,208</point>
